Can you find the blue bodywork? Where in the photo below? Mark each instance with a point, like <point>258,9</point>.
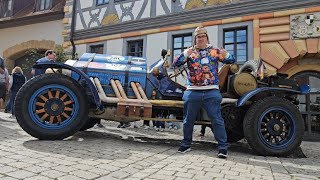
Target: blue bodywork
<point>126,69</point>
<point>81,74</point>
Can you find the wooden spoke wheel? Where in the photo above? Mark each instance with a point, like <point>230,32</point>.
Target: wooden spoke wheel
<point>52,106</point>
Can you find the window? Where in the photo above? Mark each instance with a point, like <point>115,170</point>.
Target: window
<point>310,103</point>
<point>135,48</point>
<point>235,41</point>
<point>97,48</point>
<point>101,2</point>
<point>42,5</point>
<point>180,43</point>
<point>5,8</point>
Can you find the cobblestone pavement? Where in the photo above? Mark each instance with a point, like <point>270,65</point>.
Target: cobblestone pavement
<point>135,153</point>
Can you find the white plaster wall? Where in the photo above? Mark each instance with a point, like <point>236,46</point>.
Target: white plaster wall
<point>183,3</point>
<point>115,46</point>
<point>41,31</point>
<point>78,25</point>
<point>81,49</point>
<point>86,17</point>
<point>160,10</point>
<point>86,3</point>
<point>100,17</point>
<point>213,35</point>
<point>155,42</point>
<point>137,8</point>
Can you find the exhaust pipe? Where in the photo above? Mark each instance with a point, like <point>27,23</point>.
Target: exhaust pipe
<point>135,90</point>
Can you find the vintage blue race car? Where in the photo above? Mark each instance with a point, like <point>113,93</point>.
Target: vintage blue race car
<point>80,92</point>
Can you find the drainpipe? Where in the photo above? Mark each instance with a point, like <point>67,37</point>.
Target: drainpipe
<point>73,16</point>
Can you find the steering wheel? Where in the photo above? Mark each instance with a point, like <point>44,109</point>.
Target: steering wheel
<point>177,71</point>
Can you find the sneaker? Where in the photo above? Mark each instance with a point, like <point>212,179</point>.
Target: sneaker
<point>183,149</point>
<point>147,127</point>
<point>161,129</point>
<point>125,125</point>
<point>222,154</point>
<point>157,129</point>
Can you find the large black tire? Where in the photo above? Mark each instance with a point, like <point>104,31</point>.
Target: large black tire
<point>273,126</point>
<point>51,107</point>
<point>233,118</point>
<point>89,124</point>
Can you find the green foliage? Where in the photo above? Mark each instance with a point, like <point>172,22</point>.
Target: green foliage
<point>61,55</point>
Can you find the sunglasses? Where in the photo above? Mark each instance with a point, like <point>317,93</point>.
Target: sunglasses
<point>201,36</point>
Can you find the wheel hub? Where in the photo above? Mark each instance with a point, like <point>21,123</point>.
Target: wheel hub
<point>54,107</point>
<point>275,127</point>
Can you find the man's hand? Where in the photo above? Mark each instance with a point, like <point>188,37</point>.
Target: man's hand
<point>223,52</point>
<point>187,52</point>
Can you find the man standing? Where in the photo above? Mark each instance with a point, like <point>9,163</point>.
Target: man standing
<point>50,55</point>
<point>203,88</point>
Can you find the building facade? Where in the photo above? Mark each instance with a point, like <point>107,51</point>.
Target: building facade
<point>284,34</point>
<point>29,24</point>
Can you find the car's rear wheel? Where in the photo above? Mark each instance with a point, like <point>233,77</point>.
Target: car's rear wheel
<point>233,118</point>
<point>273,126</point>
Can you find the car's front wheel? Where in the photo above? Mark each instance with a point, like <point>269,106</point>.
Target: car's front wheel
<point>51,107</point>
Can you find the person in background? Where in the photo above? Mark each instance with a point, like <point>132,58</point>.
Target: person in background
<point>159,125</point>
<point>124,125</point>
<point>203,88</point>
<point>50,55</point>
<point>172,125</point>
<point>8,105</point>
<point>4,83</point>
<point>16,81</point>
<point>146,124</point>
<point>203,130</point>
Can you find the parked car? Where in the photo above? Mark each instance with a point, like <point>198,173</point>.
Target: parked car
<point>80,92</point>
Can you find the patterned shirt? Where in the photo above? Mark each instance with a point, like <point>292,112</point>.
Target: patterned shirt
<point>202,67</point>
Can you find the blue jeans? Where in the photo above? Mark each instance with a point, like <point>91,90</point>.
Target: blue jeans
<point>159,124</point>
<point>13,95</point>
<point>210,100</point>
<point>8,105</point>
